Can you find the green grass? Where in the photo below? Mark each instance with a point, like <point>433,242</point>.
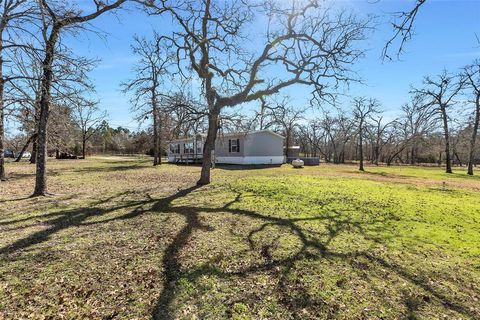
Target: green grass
<point>121,239</point>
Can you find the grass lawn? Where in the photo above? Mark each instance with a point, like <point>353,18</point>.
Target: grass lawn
<point>120,239</point>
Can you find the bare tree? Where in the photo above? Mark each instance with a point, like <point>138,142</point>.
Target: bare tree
<point>25,147</point>
<point>376,130</point>
<point>305,43</point>
<point>417,117</point>
<point>57,17</point>
<point>338,131</point>
<point>88,118</point>
<point>313,134</point>
<point>441,91</point>
<point>403,27</point>
<point>471,74</point>
<point>14,14</point>
<point>363,108</point>
<point>26,91</point>
<point>147,85</point>
<point>398,138</point>
<point>186,114</point>
<point>327,123</point>
<point>262,119</point>
<point>287,118</point>
<point>69,86</point>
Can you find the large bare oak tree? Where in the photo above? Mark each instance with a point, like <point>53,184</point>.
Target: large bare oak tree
<point>304,43</point>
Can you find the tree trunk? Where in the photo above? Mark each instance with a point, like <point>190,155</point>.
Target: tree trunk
<point>155,134</point>
<point>25,146</point>
<point>2,130</point>
<point>471,156</point>
<point>2,112</point>
<point>376,154</point>
<point>360,146</point>
<point>41,174</point>
<point>160,140</point>
<point>335,155</point>
<point>413,157</point>
<point>448,167</point>
<point>287,144</point>
<point>33,157</point>
<point>459,161</point>
<point>84,144</point>
<point>208,147</point>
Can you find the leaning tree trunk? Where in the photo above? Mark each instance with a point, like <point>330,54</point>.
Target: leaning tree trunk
<point>33,157</point>
<point>471,156</point>
<point>41,174</point>
<point>459,161</point>
<point>24,148</point>
<point>448,167</point>
<point>208,147</point>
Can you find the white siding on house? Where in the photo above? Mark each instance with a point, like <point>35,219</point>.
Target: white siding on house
<point>258,147</point>
<point>267,160</point>
<point>263,143</point>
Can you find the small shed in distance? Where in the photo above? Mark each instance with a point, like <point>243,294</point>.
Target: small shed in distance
<point>293,153</point>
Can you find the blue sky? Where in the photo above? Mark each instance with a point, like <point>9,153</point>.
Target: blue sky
<point>445,38</point>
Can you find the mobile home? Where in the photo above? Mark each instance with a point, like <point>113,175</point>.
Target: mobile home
<point>262,147</point>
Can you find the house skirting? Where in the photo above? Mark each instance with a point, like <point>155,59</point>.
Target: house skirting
<point>185,158</point>
<point>250,160</point>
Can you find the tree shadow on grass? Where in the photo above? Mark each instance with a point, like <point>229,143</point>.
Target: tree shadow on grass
<point>110,168</point>
<point>311,248</point>
<point>14,199</point>
<point>77,217</point>
<point>313,245</point>
<point>16,176</point>
<point>385,174</point>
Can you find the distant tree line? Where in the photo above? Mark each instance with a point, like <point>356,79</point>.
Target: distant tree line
<point>66,136</point>
<point>438,126</point>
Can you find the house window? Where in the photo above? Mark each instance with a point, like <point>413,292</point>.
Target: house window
<point>175,148</point>
<point>234,145</point>
<point>188,147</point>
